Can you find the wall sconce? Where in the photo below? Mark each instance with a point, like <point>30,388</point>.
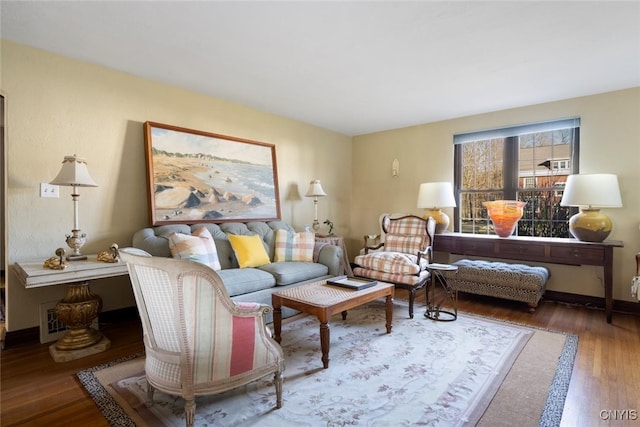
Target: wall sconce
<point>593,191</point>
<point>74,174</point>
<point>395,168</point>
<point>315,191</point>
<point>433,196</point>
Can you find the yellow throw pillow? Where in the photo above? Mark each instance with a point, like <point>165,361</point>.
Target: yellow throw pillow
<point>249,250</point>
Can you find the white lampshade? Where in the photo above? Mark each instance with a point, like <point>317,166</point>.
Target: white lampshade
<point>74,173</point>
<point>315,189</point>
<point>436,195</point>
<point>593,190</point>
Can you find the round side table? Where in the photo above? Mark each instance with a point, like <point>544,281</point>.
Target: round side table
<point>445,309</point>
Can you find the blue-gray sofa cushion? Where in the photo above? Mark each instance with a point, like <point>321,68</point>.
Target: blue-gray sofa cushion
<point>240,281</point>
<point>287,272</point>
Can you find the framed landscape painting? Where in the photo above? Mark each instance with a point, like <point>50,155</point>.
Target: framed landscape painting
<point>196,177</point>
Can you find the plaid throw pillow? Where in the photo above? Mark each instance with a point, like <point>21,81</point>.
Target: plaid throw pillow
<point>394,263</point>
<point>404,244</point>
<point>294,247</point>
<point>198,247</point>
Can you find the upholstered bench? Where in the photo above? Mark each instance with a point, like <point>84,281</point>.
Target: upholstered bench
<point>518,282</point>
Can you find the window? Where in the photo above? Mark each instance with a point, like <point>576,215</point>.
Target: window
<point>529,163</point>
<point>530,182</point>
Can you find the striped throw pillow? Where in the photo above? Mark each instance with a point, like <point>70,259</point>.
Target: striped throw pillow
<point>198,247</point>
<point>294,246</point>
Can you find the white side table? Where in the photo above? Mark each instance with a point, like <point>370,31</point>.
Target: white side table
<point>79,307</point>
<point>445,309</point>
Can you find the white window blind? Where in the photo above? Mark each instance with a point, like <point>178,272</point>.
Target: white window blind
<point>507,132</point>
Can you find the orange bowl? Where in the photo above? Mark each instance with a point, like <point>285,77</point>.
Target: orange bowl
<point>505,215</point>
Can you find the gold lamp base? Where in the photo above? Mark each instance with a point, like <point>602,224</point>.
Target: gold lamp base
<point>77,311</point>
<point>441,218</point>
<point>590,225</point>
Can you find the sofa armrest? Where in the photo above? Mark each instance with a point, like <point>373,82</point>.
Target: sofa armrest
<point>331,256</point>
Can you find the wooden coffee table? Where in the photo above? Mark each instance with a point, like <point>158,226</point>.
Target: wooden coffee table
<point>323,301</point>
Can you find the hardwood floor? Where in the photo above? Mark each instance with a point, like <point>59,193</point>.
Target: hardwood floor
<point>36,391</point>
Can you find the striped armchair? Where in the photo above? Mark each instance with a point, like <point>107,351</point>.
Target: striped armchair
<point>197,340</point>
<point>404,255</point>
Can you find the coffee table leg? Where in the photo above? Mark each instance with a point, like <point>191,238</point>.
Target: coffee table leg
<point>389,312</point>
<point>324,343</point>
<point>277,322</point>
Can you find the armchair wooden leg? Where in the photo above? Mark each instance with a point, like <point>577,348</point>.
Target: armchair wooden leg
<point>190,411</point>
<point>277,379</point>
<point>412,297</point>
<point>150,391</point>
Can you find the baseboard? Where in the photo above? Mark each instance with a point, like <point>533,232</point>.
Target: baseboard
<point>592,302</point>
<point>113,316</point>
<point>22,336</point>
<point>33,334</point>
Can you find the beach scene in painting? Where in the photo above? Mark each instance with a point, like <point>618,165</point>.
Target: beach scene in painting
<point>202,178</point>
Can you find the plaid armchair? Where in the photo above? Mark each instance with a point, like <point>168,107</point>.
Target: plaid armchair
<point>406,252</point>
<point>197,340</point>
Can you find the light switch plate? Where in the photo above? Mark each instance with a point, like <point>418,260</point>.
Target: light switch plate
<point>48,190</point>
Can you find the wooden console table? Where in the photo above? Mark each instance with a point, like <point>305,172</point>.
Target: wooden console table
<point>538,249</point>
<point>78,341</point>
<point>33,274</point>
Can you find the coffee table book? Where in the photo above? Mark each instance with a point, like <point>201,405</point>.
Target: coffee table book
<point>357,284</point>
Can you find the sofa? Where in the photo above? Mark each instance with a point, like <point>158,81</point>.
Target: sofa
<point>249,284</point>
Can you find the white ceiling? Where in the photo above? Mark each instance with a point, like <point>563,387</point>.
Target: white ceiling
<point>352,67</point>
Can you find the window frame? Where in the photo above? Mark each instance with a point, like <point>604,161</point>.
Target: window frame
<point>510,159</point>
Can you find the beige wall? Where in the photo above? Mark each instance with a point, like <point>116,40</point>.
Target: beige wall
<point>609,143</point>
<point>57,106</point>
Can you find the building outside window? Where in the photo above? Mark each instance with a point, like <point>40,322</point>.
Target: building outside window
<point>529,163</point>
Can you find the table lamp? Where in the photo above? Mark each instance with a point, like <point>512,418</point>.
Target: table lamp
<point>315,191</point>
<point>593,191</point>
<point>432,197</point>
<point>74,174</point>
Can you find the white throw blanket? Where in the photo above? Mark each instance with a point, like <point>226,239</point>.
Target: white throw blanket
<point>635,287</point>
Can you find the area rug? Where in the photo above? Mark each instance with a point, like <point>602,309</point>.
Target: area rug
<point>472,371</point>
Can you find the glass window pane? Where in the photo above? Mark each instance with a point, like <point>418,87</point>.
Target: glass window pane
<point>482,164</point>
<point>543,216</point>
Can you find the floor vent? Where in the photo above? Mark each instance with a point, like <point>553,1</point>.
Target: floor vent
<point>51,328</point>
